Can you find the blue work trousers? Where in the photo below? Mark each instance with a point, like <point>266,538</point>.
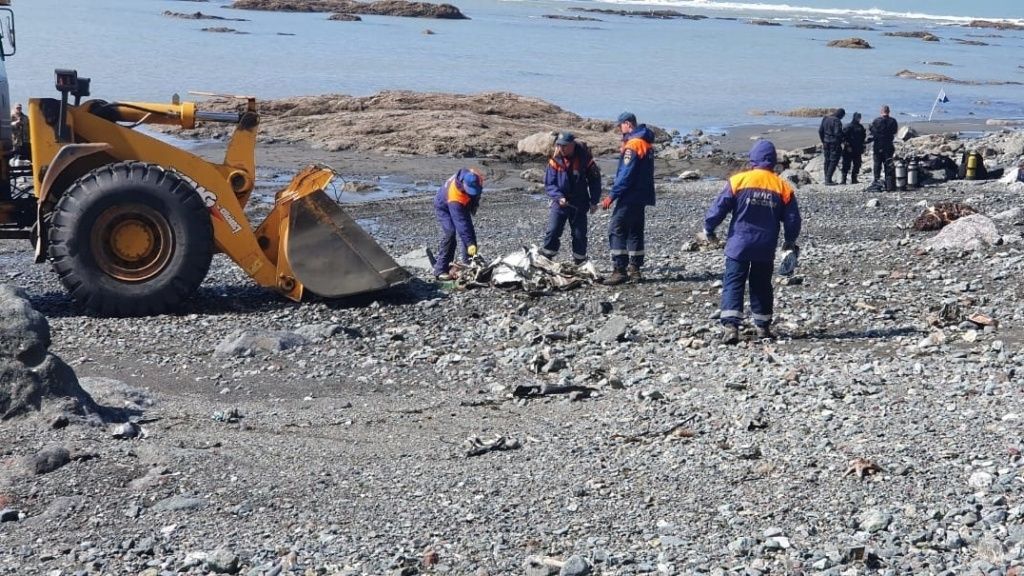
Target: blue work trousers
<point>446,248</point>
<point>576,216</point>
<point>626,235</point>
<point>762,299</point>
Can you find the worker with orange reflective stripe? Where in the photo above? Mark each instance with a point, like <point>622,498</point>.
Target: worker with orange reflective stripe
<point>632,193</point>
<point>573,182</point>
<point>760,203</point>
<point>455,204</point>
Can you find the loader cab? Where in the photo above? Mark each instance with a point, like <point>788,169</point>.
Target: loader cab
<point>7,49</point>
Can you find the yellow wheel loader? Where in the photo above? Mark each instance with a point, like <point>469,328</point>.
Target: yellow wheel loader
<point>130,223</point>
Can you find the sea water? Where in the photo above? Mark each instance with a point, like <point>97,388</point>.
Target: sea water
<point>681,74</point>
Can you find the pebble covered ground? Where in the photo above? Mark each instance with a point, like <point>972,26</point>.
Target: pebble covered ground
<point>611,432</point>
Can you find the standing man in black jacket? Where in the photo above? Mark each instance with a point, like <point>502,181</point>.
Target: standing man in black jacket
<point>854,136</point>
<point>883,132</point>
<point>831,134</point>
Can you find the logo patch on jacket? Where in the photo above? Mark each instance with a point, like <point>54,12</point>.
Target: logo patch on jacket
<point>627,156</point>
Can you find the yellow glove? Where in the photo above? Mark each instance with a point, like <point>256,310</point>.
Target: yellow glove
<point>471,250</point>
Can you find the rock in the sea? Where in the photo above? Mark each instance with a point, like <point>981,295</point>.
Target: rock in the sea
<point>199,16</point>
<point>968,233</point>
<point>248,342</point>
<point>342,17</point>
<point>539,144</point>
<point>858,43</point>
<point>926,36</point>
<point>378,8</point>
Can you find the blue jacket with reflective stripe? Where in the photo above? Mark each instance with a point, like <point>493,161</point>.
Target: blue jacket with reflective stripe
<point>760,203</point>
<point>634,179</point>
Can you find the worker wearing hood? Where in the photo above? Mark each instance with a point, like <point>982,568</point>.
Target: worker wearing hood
<point>760,203</point>
<point>632,193</point>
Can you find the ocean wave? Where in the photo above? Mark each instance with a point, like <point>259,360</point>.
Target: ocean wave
<point>874,14</point>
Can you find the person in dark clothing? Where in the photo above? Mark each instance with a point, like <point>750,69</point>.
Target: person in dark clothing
<point>573,181</point>
<point>761,204</point>
<point>883,132</point>
<point>831,134</point>
<point>632,193</point>
<point>854,136</point>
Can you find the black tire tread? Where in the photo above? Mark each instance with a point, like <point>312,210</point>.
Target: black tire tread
<point>159,295</point>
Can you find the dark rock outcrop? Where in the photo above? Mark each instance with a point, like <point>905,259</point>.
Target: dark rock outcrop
<point>654,14</point>
<point>573,18</point>
<point>933,77</point>
<point>857,43</point>
<point>199,16</point>
<point>926,36</point>
<point>342,17</point>
<point>32,379</point>
<point>996,24</point>
<point>378,8</point>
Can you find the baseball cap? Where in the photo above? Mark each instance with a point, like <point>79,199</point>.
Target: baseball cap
<point>627,117</point>
<point>471,182</point>
<point>565,138</point>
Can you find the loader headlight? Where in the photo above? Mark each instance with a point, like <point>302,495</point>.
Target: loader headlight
<point>67,80</point>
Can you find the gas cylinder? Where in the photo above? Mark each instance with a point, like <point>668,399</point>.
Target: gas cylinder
<point>972,166</point>
<point>901,175</point>
<point>913,175</point>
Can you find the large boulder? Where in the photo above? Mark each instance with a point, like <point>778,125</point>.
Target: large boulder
<point>815,168</point>
<point>539,144</point>
<point>24,332</point>
<point>249,342</point>
<point>31,379</point>
<point>968,233</point>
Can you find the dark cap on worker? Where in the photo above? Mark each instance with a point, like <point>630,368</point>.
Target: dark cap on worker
<point>565,138</point>
<point>627,117</point>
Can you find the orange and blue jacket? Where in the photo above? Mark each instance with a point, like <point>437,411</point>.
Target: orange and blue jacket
<point>760,203</point>
<point>457,203</point>
<point>577,179</point>
<point>634,179</point>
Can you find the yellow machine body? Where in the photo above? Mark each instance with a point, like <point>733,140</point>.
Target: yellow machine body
<point>306,243</point>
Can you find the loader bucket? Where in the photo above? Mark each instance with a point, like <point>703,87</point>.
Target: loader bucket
<point>331,255</point>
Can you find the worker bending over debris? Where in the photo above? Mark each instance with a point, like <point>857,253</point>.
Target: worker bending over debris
<point>455,204</point>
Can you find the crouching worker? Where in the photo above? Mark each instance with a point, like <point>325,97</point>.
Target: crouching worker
<point>573,181</point>
<point>760,202</point>
<point>455,204</point>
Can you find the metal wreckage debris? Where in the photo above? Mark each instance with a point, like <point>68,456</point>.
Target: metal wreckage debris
<point>527,270</point>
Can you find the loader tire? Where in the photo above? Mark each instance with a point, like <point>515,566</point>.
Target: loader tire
<point>131,239</point>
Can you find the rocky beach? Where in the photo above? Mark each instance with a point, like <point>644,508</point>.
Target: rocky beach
<point>599,430</point>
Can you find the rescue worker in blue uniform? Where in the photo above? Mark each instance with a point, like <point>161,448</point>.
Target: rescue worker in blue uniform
<point>760,202</point>
<point>573,181</point>
<point>632,193</point>
<point>454,205</point>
